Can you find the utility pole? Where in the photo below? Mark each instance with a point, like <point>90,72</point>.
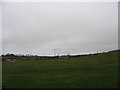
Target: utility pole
<point>54,52</point>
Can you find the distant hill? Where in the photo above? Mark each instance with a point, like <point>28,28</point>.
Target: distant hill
<point>10,57</point>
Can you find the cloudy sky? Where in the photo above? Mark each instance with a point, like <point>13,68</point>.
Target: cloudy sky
<point>70,27</point>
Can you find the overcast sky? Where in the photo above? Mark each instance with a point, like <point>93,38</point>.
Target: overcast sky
<point>71,28</point>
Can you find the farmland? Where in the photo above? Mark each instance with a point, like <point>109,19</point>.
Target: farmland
<point>95,71</point>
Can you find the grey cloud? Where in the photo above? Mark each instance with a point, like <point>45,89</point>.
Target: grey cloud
<point>38,28</point>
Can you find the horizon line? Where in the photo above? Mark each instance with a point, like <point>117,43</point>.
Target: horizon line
<point>62,54</point>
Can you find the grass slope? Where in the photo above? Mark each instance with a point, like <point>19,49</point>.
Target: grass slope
<point>96,71</point>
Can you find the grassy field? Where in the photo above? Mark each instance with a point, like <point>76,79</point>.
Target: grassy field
<point>95,71</point>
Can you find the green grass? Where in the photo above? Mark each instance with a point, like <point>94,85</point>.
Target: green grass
<point>96,71</point>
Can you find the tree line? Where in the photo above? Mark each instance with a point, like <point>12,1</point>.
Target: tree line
<point>10,57</point>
